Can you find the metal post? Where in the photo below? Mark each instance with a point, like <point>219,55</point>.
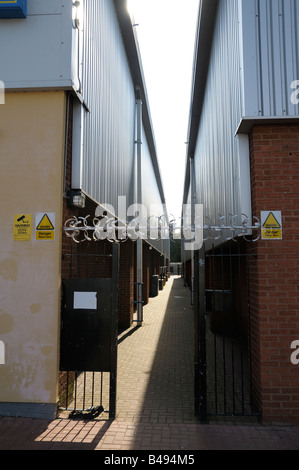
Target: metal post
<point>193,199</point>
<point>139,201</point>
<point>200,363</point>
<point>114,332</point>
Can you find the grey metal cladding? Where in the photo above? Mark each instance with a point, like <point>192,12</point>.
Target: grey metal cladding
<point>108,91</point>
<point>111,72</point>
<point>271,57</point>
<point>109,163</point>
<point>217,154</point>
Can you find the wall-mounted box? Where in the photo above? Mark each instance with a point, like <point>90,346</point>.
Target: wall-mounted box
<point>37,52</point>
<point>13,9</point>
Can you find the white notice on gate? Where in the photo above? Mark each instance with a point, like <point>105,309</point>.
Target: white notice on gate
<point>85,301</point>
<point>2,353</point>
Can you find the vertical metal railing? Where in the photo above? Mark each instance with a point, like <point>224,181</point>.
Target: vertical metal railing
<point>223,382</point>
<point>200,360</point>
<point>86,391</point>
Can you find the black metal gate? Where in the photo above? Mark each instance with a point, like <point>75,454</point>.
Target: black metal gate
<point>223,381</point>
<point>89,329</point>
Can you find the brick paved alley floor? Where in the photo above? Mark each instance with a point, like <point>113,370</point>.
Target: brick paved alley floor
<point>155,366</point>
<point>154,397</point>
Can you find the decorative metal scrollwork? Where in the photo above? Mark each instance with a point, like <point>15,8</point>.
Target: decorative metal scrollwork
<point>236,230</point>
<point>82,229</point>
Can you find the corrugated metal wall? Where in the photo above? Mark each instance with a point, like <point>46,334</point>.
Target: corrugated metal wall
<point>217,166</point>
<point>271,56</point>
<point>150,192</point>
<point>109,162</point>
<point>109,128</point>
<point>151,199</point>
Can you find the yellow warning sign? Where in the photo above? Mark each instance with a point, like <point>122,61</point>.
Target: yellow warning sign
<point>271,222</point>
<point>45,223</point>
<point>45,226</point>
<point>271,225</point>
<point>22,227</point>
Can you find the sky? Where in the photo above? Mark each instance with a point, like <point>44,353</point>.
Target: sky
<point>166,36</point>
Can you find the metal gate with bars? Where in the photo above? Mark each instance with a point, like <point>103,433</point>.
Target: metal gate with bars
<point>88,350</point>
<point>222,290</point>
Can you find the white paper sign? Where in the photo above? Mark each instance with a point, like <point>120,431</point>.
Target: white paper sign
<point>85,300</point>
<point>2,353</point>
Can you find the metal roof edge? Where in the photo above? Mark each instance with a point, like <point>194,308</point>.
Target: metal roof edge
<point>247,123</point>
<point>43,85</point>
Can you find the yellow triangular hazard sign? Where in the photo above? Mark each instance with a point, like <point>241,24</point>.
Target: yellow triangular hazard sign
<point>271,222</point>
<point>45,224</point>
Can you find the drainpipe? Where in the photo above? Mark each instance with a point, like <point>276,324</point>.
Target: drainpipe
<point>139,201</point>
<point>193,196</point>
<point>198,300</point>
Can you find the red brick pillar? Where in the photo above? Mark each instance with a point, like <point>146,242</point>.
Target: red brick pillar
<point>126,285</point>
<point>274,153</point>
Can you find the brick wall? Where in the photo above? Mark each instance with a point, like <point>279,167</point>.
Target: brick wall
<point>126,285</point>
<point>274,151</point>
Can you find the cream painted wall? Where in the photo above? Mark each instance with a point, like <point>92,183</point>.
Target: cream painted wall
<point>32,132</point>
